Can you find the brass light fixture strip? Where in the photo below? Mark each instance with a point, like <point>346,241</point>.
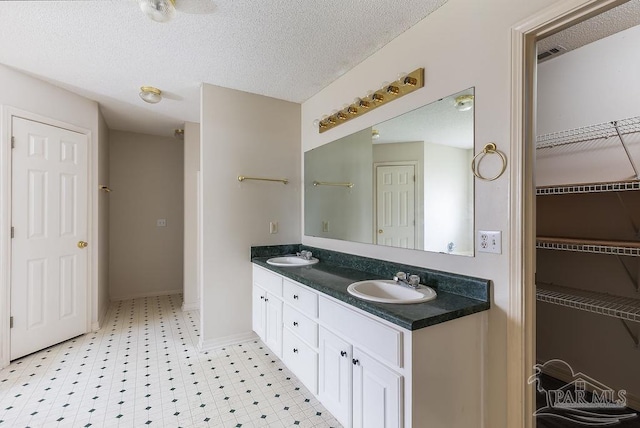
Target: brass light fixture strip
<point>411,82</point>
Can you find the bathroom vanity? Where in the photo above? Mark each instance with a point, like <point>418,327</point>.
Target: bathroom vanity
<point>375,364</point>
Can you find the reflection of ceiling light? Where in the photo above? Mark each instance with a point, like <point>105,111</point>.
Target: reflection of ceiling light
<point>464,102</point>
<point>158,10</point>
<point>375,134</point>
<point>150,95</point>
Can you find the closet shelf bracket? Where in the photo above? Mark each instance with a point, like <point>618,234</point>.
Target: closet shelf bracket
<point>627,211</point>
<point>634,280</point>
<point>633,336</point>
<point>626,149</point>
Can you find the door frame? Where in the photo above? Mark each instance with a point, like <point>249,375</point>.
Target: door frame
<point>418,198</point>
<point>521,334</point>
<point>7,113</point>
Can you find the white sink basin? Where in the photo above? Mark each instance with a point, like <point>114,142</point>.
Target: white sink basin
<point>291,261</point>
<point>389,291</point>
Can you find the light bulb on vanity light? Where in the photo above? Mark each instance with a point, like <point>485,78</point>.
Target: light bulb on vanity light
<point>158,10</point>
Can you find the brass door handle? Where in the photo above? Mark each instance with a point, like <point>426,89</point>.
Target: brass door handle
<point>380,231</point>
<point>83,244</point>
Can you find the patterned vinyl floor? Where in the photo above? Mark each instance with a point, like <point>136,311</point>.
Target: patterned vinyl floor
<point>143,369</point>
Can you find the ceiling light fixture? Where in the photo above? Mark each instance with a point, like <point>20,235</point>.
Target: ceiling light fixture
<point>375,134</point>
<point>463,102</point>
<point>150,95</point>
<point>179,133</point>
<point>158,10</point>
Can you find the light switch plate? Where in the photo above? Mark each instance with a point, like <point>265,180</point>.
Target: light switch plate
<point>490,241</point>
<point>273,227</point>
<point>325,225</point>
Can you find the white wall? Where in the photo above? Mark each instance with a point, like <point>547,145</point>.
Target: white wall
<point>594,84</point>
<point>465,43</point>
<point>448,209</point>
<point>347,210</point>
<point>147,182</point>
<point>102,303</point>
<point>191,297</point>
<point>251,135</point>
<point>32,95</point>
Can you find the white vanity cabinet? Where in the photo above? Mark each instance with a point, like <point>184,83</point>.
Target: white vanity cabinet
<point>267,309</point>
<point>369,372</point>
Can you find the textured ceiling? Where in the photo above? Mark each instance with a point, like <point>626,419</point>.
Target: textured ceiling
<point>439,122</point>
<point>106,49</point>
<point>600,26</point>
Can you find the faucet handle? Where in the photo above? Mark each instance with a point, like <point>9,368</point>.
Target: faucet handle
<point>414,280</point>
<point>400,276</point>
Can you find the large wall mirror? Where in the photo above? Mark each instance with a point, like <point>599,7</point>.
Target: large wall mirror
<point>406,182</point>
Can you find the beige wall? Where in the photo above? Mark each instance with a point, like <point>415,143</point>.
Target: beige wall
<point>102,303</point>
<point>465,43</point>
<point>191,298</point>
<point>147,183</point>
<point>252,135</point>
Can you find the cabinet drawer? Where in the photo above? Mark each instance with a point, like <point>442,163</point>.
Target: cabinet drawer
<point>304,300</point>
<point>381,341</point>
<point>267,280</point>
<point>301,360</point>
<point>302,326</point>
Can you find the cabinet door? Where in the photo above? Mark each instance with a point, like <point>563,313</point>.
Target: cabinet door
<point>335,376</point>
<point>377,394</point>
<point>258,312</point>
<point>273,324</point>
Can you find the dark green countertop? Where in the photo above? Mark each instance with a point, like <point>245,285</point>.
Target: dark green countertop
<point>333,281</point>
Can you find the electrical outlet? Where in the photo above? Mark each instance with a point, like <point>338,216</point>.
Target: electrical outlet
<point>490,241</point>
<point>325,225</point>
<point>273,227</point>
<point>162,222</point>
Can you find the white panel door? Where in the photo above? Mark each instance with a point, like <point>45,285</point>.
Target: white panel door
<point>335,376</point>
<point>395,205</point>
<point>49,281</point>
<point>377,394</point>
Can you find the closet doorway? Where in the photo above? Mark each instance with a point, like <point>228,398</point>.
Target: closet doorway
<point>587,222</point>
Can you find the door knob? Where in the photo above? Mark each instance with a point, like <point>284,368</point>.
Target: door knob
<point>83,244</point>
<point>380,231</point>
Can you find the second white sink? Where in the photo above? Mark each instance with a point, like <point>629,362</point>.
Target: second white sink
<point>389,291</point>
<point>291,261</point>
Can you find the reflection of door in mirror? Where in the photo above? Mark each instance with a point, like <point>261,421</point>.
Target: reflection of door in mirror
<point>396,205</point>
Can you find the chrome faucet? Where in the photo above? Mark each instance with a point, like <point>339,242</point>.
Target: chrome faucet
<point>305,254</point>
<point>413,281</point>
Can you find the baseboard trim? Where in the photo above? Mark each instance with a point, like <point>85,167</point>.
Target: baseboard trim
<point>565,375</point>
<point>194,306</point>
<point>210,344</point>
<point>149,294</point>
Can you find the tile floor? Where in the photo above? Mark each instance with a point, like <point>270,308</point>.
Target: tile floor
<point>143,369</point>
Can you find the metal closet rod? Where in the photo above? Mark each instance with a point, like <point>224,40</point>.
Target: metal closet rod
<point>279,180</point>
<point>328,183</point>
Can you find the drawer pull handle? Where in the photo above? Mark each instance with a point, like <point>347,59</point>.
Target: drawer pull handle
<point>355,362</point>
<point>343,353</point>
<point>295,323</point>
<point>295,297</point>
<point>266,300</point>
<point>295,350</point>
<point>261,297</point>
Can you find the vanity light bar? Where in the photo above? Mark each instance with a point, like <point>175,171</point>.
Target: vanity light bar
<point>403,86</point>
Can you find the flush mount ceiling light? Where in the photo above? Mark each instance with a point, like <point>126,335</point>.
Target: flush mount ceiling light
<point>158,10</point>
<point>150,95</point>
<point>463,102</point>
